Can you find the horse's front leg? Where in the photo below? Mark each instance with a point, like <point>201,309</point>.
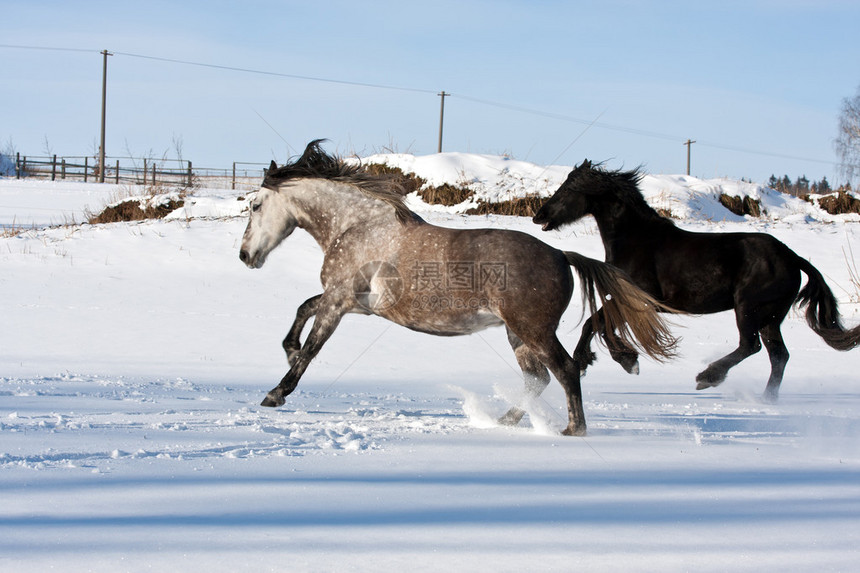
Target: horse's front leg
<point>293,343</point>
<point>329,313</point>
<point>583,354</point>
<point>621,353</point>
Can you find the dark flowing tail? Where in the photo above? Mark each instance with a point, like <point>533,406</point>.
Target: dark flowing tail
<point>630,313</point>
<point>822,310</point>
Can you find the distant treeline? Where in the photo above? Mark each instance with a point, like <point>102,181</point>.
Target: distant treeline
<point>802,186</point>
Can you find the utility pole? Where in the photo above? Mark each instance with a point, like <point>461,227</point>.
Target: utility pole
<point>689,144</point>
<point>105,53</point>
<point>441,118</point>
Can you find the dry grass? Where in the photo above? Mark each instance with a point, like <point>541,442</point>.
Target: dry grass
<point>135,210</point>
<point>130,203</point>
<point>405,182</point>
<point>738,206</point>
<point>445,194</point>
<point>839,203</point>
<point>520,207</point>
<point>13,230</point>
<point>448,195</point>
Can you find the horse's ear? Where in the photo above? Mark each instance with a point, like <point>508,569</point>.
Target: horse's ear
<point>273,165</point>
<point>586,164</point>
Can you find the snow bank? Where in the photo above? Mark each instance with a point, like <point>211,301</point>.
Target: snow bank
<point>495,178</point>
<point>491,178</point>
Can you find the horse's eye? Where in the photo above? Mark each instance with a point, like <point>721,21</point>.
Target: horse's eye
<point>255,207</point>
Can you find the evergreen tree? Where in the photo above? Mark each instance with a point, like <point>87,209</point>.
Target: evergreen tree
<point>773,182</point>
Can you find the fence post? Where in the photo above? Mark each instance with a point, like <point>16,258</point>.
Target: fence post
<point>63,169</point>
<point>153,174</point>
<point>86,168</point>
<point>189,173</point>
<point>117,171</point>
<point>144,171</point>
<point>234,175</point>
<point>18,165</point>
<point>54,168</point>
<point>24,167</point>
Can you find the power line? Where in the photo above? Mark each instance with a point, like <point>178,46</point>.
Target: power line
<point>47,48</point>
<point>481,101</point>
<point>563,117</point>
<point>232,68</point>
<point>634,131</point>
<point>277,74</point>
<point>768,153</point>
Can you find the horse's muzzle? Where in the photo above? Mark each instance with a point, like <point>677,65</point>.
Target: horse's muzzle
<point>543,221</point>
<point>251,262</point>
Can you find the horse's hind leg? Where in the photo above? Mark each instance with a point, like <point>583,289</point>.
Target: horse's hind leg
<point>748,345</point>
<point>547,349</point>
<point>566,371</point>
<point>776,349</point>
<point>292,343</point>
<point>535,376</point>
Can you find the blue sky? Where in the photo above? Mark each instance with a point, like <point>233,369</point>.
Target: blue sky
<point>758,83</point>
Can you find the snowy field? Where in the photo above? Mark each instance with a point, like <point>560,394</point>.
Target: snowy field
<point>133,358</point>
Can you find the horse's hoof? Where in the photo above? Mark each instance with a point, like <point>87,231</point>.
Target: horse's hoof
<point>272,401</point>
<point>511,418</point>
<point>628,360</point>
<point>770,397</point>
<point>584,359</point>
<point>632,368</point>
<point>708,380</point>
<point>581,431</point>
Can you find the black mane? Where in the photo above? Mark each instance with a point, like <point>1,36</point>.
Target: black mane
<point>315,163</point>
<point>621,185</point>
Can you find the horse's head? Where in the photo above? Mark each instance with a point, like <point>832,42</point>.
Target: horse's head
<point>570,202</point>
<point>271,221</point>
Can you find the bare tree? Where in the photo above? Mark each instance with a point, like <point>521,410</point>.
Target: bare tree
<point>46,147</point>
<point>7,158</point>
<point>847,143</point>
<point>177,147</point>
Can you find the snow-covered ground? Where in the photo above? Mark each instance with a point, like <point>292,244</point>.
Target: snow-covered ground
<point>133,358</point>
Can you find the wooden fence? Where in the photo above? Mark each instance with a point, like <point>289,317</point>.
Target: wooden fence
<point>131,171</point>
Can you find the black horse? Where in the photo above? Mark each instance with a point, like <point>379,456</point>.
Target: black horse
<point>699,273</point>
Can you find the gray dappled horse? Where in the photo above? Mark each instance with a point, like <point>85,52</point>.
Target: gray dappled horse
<point>382,259</point>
